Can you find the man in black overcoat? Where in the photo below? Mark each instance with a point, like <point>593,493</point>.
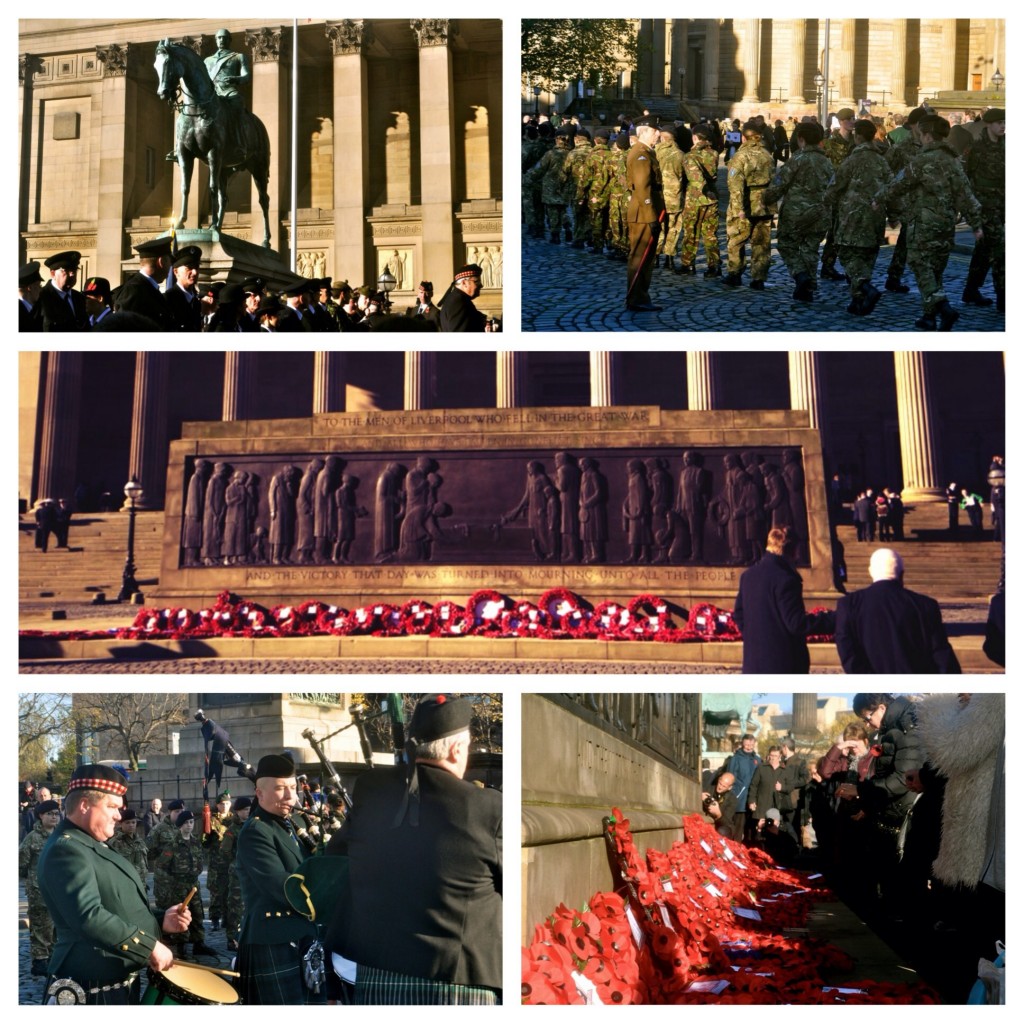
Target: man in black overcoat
<point>30,281</point>
<point>59,307</point>
<point>457,310</point>
<point>141,292</point>
<point>423,922</point>
<point>770,610</point>
<point>888,628</point>
<point>182,299</point>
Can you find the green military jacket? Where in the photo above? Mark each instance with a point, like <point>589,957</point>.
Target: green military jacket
<point>700,156</point>
<point>800,183</point>
<point>985,163</point>
<point>28,854</point>
<point>576,171</point>
<point>268,852</point>
<point>617,186</point>
<point>935,189</point>
<point>600,170</point>
<point>850,197</point>
<point>105,929</point>
<point>837,149</point>
<point>548,172</point>
<point>670,160</point>
<point>161,835</point>
<point>133,849</point>
<point>750,171</point>
<point>901,154</point>
<point>181,860</point>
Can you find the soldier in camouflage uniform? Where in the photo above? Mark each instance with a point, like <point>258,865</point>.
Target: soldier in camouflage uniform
<point>749,217</point>
<point>40,934</point>
<point>127,842</point>
<point>600,172</point>
<point>217,867</point>
<point>176,872</point>
<point>935,189</point>
<point>838,147</point>
<point>899,156</point>
<point>618,198</point>
<point>673,190</point>
<point>860,224</point>
<point>800,183</point>
<point>700,212</point>
<point>233,905</point>
<point>576,176</point>
<point>548,173</point>
<point>163,833</point>
<point>538,142</point>
<point>985,163</point>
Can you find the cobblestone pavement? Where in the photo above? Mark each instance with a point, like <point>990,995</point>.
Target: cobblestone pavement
<point>566,289</point>
<point>30,989</point>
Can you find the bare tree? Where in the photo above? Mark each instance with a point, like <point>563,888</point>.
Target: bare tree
<point>135,721</point>
<point>44,723</point>
<point>485,727</point>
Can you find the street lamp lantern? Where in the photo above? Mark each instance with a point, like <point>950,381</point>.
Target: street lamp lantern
<point>997,80</point>
<point>387,282</point>
<point>536,99</point>
<point>133,492</point>
<point>682,83</point>
<point>819,83</point>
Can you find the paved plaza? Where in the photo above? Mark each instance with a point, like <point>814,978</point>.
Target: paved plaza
<point>566,289</point>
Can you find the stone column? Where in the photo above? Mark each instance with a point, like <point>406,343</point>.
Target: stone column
<point>147,462</point>
<point>271,103</point>
<point>645,60</point>
<point>28,66</point>
<point>847,56</point>
<point>353,260</point>
<point>947,58</point>
<point>681,57</point>
<point>420,368</point>
<point>797,71</point>
<point>701,381</point>
<point>437,147</point>
<point>712,40</point>
<point>116,159</point>
<point>804,385</point>
<point>899,60</point>
<point>239,385</point>
<point>750,56</point>
<point>605,383</point>
<point>658,58</point>
<point>58,436</point>
<point>329,381</point>
<point>918,448</point>
<point>805,716</point>
<point>511,379</point>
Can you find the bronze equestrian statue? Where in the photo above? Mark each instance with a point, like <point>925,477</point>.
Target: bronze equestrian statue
<point>215,128</point>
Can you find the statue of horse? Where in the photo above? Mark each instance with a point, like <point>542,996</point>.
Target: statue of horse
<point>719,709</point>
<point>205,129</point>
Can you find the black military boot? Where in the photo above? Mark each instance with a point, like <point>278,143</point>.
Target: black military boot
<point>831,274</point>
<point>555,238</point>
<point>670,263</point>
<point>972,296</point>
<point>758,286</point>
<point>894,284</point>
<point>578,243</point>
<point>40,968</point>
<point>926,322</point>
<point>803,292</point>
<point>947,315</point>
<point>568,234</point>
<point>733,280</point>
<point>871,297</point>
<point>856,306</point>
<point>715,271</point>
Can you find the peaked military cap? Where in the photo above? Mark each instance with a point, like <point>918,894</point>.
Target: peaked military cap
<point>253,285</point>
<point>67,260</point>
<point>29,274</point>
<point>189,256</point>
<point>650,121</point>
<point>154,247</point>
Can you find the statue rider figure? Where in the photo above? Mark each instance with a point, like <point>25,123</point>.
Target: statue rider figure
<point>228,70</point>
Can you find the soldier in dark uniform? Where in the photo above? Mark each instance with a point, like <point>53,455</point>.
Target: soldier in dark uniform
<point>182,300</point>
<point>60,308</point>
<point>424,302</point>
<point>97,299</point>
<point>106,933</point>
<point>644,216</point>
<point>457,310</point>
<point>985,163</point>
<point>141,292</point>
<point>253,289</point>
<point>29,283</point>
<point>296,319</point>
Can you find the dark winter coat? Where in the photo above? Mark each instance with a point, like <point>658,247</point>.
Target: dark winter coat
<point>770,613</point>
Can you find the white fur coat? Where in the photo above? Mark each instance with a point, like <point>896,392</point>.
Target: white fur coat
<point>963,744</point>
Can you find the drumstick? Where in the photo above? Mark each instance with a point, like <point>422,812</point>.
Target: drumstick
<point>204,967</point>
<point>185,901</point>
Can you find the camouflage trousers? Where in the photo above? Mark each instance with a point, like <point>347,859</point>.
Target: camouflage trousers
<point>40,931</point>
<point>991,250</point>
<point>217,883</point>
<point>759,233</point>
<point>799,251</point>
<point>555,217</point>
<point>581,224</point>
<point>233,907</point>
<point>599,223</point>
<point>898,263</point>
<point>859,264</point>
<point>617,229</point>
<point>700,224</point>
<point>927,256</point>
<point>671,229</point>
<point>533,210</point>
<point>831,250</point>
<point>169,890</point>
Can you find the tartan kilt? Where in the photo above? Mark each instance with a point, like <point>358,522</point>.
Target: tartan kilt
<point>376,987</point>
<point>272,975</point>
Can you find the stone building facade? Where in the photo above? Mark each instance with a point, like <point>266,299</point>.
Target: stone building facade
<point>399,149</point>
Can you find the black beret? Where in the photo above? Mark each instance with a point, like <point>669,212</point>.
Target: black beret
<point>275,766</point>
<point>935,125</point>
<point>97,286</point>
<point>915,115</point>
<point>128,815</point>
<point>439,715</point>
<point>46,806</point>
<point>98,776</point>
<point>184,818</point>
<point>67,260</point>
<point>29,274</point>
<point>241,803</point>
<point>995,114</point>
<point>176,805</point>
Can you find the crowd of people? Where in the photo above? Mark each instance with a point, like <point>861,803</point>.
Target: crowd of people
<point>391,896</point>
<point>904,814</point>
<point>646,194</point>
<point>163,295</point>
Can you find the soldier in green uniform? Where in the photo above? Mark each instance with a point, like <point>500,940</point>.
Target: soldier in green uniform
<point>180,865</point>
<point>618,198</point>
<point>985,163</point>
<point>538,142</point>
<point>644,215</point>
<point>899,156</point>
<point>935,190</point>
<point>838,146</point>
<point>548,174</point>
<point>599,171</point>
<point>673,190</point>
<point>700,212</point>
<point>233,905</point>
<point>576,172</point>
<point>800,183</point>
<point>860,224</point>
<point>749,217</point>
<point>127,842</point>
<point>40,932</point>
<point>217,867</point>
<point>162,834</point>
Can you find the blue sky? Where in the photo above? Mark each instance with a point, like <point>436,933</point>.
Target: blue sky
<point>785,700</point>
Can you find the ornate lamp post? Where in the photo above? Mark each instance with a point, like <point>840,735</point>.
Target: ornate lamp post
<point>386,283</point>
<point>819,82</point>
<point>997,80</point>
<point>536,101</point>
<point>133,492</point>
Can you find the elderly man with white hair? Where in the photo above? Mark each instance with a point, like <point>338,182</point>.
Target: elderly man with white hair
<point>888,628</point>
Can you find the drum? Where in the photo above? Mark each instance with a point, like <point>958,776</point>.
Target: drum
<point>184,985</point>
